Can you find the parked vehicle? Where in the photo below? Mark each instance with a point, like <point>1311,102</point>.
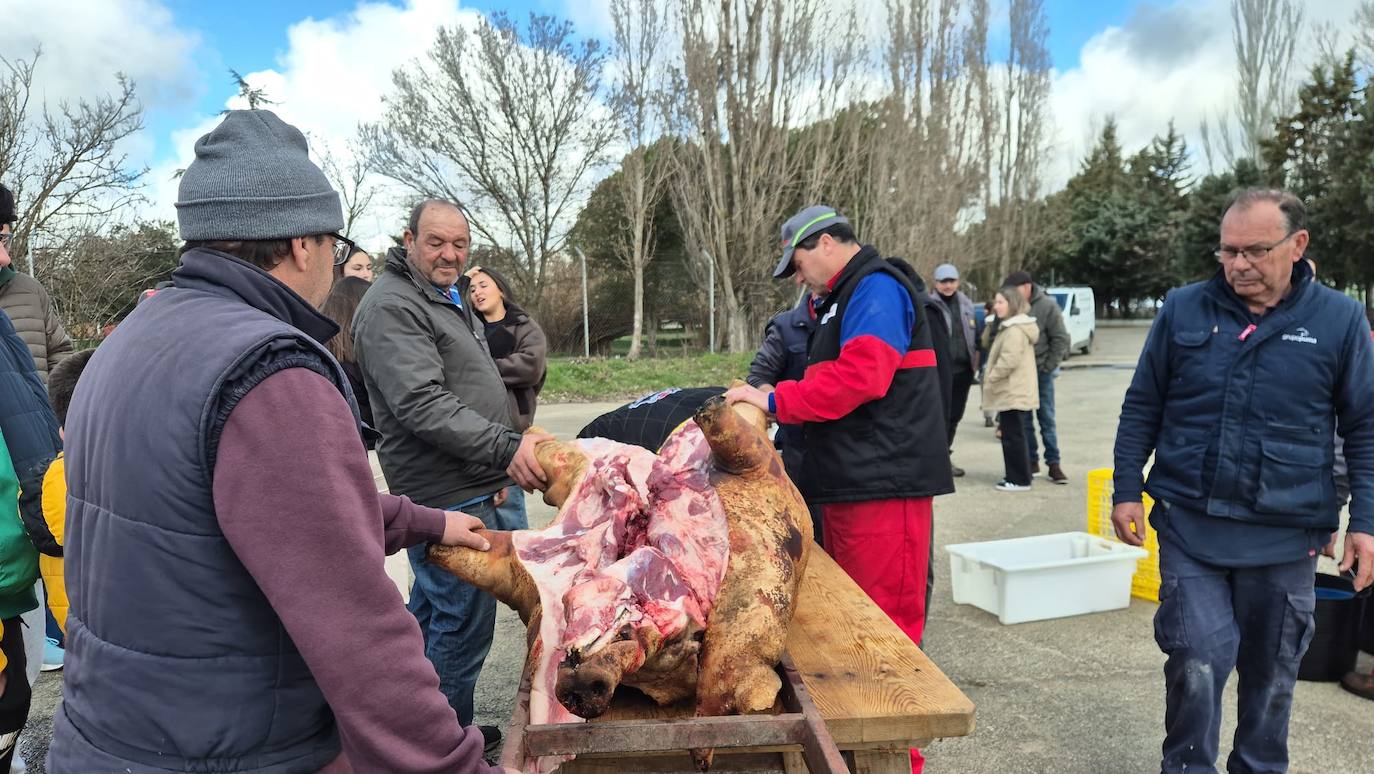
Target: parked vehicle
<point>1080,314</point>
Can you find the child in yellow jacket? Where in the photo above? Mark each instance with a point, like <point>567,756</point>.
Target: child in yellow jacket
<point>47,533</point>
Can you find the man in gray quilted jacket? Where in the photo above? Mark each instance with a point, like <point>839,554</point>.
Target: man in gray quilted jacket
<point>27,302</point>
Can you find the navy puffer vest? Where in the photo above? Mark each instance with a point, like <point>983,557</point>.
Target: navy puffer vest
<point>175,659</point>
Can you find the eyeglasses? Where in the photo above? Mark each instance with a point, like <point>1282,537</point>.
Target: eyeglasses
<point>1253,253</point>
<point>343,247</point>
<point>5,240</point>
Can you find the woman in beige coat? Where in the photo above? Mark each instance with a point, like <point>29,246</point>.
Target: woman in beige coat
<point>1010,385</point>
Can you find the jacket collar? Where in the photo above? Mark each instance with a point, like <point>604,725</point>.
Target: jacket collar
<point>866,253</point>
<point>224,275</point>
<point>398,261</point>
<point>1300,280</point>
<point>1019,319</point>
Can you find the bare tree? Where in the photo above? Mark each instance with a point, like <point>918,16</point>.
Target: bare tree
<point>1265,34</point>
<point>640,30</point>
<point>351,177</point>
<point>750,73</point>
<point>63,162</point>
<point>1019,135</point>
<point>97,275</point>
<point>930,164</point>
<point>506,122</point>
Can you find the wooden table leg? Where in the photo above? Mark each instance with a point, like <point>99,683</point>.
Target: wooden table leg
<point>882,762</point>
<point>794,763</point>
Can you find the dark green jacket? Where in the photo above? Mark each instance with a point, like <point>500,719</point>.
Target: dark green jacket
<point>18,559</point>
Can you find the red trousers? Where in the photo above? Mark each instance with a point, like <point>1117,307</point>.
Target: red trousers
<point>884,545</point>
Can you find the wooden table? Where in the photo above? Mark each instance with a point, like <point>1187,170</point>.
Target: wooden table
<point>879,694</point>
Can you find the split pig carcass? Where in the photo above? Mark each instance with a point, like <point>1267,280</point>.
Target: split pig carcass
<point>674,573</point>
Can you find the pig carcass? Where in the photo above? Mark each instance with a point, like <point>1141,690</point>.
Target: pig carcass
<point>675,573</point>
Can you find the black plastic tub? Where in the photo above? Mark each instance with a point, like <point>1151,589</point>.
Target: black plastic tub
<point>1336,643</point>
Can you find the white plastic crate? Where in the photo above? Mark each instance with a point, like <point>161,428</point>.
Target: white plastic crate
<point>1046,576</point>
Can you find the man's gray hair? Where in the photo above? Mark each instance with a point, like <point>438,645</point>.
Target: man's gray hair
<point>1294,212</point>
<point>419,209</point>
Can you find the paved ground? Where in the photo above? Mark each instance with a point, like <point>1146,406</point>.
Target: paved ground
<point>1073,695</point>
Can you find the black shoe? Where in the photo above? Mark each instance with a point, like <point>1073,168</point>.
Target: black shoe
<point>957,471</point>
<point>491,737</point>
<point>987,421</point>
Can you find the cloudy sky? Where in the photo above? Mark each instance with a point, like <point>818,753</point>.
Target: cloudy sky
<point>328,63</point>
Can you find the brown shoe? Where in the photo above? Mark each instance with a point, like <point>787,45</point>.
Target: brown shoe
<point>1035,469</point>
<point>1360,684</point>
<point>1057,474</point>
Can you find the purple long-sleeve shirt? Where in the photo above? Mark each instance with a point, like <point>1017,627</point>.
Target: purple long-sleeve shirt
<point>295,497</point>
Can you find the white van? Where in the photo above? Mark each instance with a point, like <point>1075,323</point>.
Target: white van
<point>1080,314</point>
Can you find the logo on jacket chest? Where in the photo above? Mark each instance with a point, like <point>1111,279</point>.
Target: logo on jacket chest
<point>829,314</point>
<point>1301,335</point>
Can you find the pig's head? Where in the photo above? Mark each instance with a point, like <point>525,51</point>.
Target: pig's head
<point>611,637</point>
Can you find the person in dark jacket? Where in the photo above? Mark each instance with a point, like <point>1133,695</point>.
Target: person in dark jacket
<point>1050,350</point>
<point>516,342</point>
<point>963,346</point>
<point>872,413</point>
<point>782,356</point>
<point>28,440</point>
<point>225,538</point>
<point>448,439</point>
<point>1243,489</point>
<point>340,306</point>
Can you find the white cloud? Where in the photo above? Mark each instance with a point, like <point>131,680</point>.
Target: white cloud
<point>1169,62</point>
<point>85,43</point>
<point>332,76</point>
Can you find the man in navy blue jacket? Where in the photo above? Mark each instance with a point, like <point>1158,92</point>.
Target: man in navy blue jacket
<point>1242,382</point>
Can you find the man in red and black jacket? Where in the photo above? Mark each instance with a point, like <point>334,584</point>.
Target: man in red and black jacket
<point>871,412</point>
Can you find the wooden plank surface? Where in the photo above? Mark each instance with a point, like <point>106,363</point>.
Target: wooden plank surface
<point>646,736</point>
<point>873,686</point>
<point>870,682</point>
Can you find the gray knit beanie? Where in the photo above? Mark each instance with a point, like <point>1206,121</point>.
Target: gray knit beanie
<point>253,179</point>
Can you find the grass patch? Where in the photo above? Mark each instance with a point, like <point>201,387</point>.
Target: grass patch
<point>575,380</point>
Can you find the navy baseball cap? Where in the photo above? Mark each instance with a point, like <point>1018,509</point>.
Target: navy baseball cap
<point>798,228</point>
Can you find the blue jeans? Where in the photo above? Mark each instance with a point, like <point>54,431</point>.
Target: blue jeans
<point>1211,620</point>
<point>1045,414</point>
<point>458,620</point>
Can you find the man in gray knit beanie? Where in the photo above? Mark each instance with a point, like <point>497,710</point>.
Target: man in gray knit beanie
<point>254,193</point>
<point>225,520</point>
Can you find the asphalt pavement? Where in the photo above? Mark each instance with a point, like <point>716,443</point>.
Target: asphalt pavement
<point>1082,694</point>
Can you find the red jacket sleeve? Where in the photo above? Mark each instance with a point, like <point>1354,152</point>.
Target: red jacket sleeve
<point>296,499</point>
<point>875,335</point>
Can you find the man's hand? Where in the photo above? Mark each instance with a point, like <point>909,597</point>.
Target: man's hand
<point>746,394</point>
<point>1330,548</point>
<point>525,468</point>
<point>1359,546</point>
<point>1128,519</point>
<point>460,529</point>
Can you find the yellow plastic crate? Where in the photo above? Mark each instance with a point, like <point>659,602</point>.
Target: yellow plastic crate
<point>1145,582</point>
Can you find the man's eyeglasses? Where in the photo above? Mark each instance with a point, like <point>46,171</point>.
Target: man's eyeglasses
<point>1253,253</point>
<point>343,247</point>
<point>5,240</point>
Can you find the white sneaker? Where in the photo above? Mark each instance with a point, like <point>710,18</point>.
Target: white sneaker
<point>1007,486</point>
